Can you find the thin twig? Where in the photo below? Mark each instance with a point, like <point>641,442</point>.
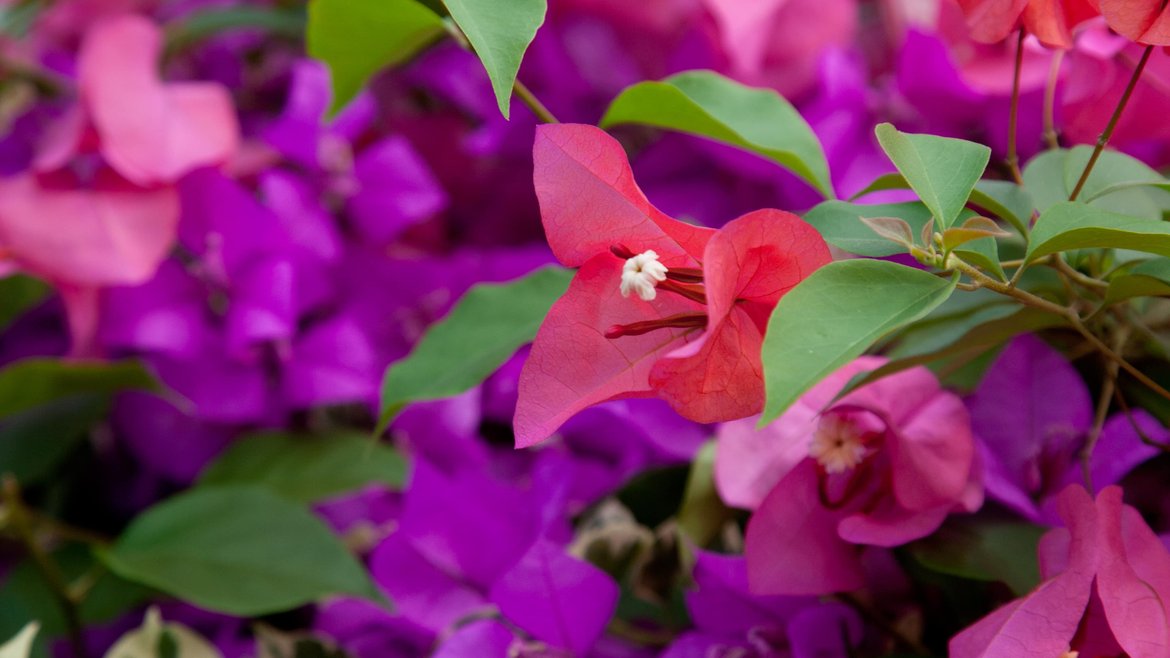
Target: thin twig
<point>528,98</point>
<point>21,522</point>
<point>1103,139</point>
<point>1051,136</point>
<point>1069,314</point>
<point>1013,157</point>
<point>1107,390</point>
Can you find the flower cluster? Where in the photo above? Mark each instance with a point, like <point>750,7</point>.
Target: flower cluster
<point>201,258</point>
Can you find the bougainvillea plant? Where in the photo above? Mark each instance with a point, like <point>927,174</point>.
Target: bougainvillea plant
<point>584,328</point>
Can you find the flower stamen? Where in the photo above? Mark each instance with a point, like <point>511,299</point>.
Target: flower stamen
<point>641,274</point>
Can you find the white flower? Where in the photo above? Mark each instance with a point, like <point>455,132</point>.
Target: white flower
<point>837,445</point>
<point>641,274</point>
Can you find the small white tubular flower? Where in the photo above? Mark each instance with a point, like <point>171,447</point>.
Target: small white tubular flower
<point>837,445</point>
<point>641,274</point>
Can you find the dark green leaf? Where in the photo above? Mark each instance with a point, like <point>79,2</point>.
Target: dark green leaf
<point>238,550</point>
<point>25,596</point>
<point>500,31</point>
<point>34,442</point>
<point>307,468</point>
<point>836,314</point>
<point>840,226</point>
<point>977,339</point>
<point>1068,226</point>
<point>32,382</point>
<point>358,38</point>
<point>984,549</point>
<point>942,170</point>
<point>709,105</point>
<point>19,294</point>
<point>484,329</point>
<point>195,27</point>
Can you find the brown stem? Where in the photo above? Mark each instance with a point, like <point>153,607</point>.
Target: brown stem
<point>522,92</point>
<point>1103,139</point>
<point>1051,137</point>
<point>21,521</point>
<point>880,622</point>
<point>528,98</point>
<point>1102,410</point>
<point>1069,314</point>
<point>1013,158</point>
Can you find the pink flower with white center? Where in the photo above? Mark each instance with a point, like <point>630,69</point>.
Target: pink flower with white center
<point>882,466</point>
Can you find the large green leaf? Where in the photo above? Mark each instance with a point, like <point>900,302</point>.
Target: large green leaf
<point>1068,226</point>
<point>486,327</point>
<point>18,294</point>
<point>307,468</point>
<point>238,550</point>
<point>358,38</point>
<point>1149,279</point>
<point>942,170</point>
<point>1119,183</point>
<point>500,31</point>
<point>839,223</point>
<point>1114,172</point>
<point>984,549</point>
<point>32,382</point>
<point>709,105</point>
<point>834,315</point>
<point>34,442</point>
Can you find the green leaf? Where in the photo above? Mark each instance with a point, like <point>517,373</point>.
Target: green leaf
<point>1114,172</point>
<point>840,226</point>
<point>237,550</point>
<point>358,38</point>
<point>984,549</point>
<point>21,645</point>
<point>980,336</point>
<point>709,105</point>
<point>1005,200</point>
<point>306,469</point>
<point>32,382</point>
<point>34,442</point>
<point>1068,226</point>
<point>834,315</point>
<point>702,513</point>
<point>197,26</point>
<point>984,254</point>
<point>1119,183</point>
<point>19,294</point>
<point>484,329</point>
<point>1149,279</point>
<point>941,170</point>
<point>500,31</point>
